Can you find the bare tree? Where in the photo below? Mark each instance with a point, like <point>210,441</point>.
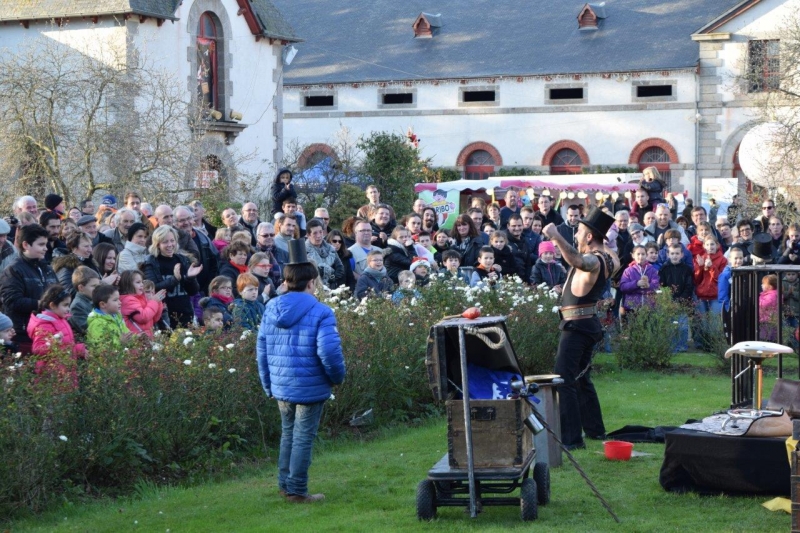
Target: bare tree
<point>77,121</point>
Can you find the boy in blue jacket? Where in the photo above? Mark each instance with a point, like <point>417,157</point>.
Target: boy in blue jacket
<point>299,356</point>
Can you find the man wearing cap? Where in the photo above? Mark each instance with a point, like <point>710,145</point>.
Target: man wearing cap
<point>124,219</point>
<point>88,225</point>
<point>110,201</point>
<point>55,203</point>
<point>299,354</point>
<point>591,264</point>
<point>7,251</point>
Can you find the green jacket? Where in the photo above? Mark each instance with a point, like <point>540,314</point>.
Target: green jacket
<point>104,331</point>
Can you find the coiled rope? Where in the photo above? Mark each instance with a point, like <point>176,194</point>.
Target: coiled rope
<point>481,333</point>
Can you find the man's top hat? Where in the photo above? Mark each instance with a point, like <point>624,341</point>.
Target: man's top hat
<point>761,246</point>
<point>297,252</point>
<point>598,222</point>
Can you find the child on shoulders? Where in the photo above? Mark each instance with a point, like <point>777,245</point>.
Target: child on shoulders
<point>651,182</point>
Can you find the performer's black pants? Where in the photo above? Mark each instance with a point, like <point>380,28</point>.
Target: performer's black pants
<point>580,406</point>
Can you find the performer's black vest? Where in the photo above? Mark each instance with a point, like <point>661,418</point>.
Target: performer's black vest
<point>595,294</point>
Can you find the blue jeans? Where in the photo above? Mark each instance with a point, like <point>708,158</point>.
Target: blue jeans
<point>683,334</point>
<point>299,424</point>
<point>705,306</point>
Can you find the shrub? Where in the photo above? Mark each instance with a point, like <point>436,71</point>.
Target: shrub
<point>189,404</point>
<point>650,334</point>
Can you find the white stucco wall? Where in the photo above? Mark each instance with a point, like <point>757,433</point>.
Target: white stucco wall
<point>608,125</point>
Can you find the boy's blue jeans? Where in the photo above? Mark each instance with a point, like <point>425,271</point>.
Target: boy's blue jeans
<point>299,424</point>
<point>683,334</point>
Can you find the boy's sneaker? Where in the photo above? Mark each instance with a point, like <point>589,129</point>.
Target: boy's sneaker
<point>308,498</point>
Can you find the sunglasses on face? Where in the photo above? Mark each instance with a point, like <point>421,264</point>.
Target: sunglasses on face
<point>265,235</point>
<point>336,241</point>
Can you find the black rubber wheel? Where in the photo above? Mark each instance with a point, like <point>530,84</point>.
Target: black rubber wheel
<point>541,475</point>
<point>528,504</point>
<point>426,500</point>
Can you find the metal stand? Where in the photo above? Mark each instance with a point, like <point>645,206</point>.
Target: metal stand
<point>473,496</point>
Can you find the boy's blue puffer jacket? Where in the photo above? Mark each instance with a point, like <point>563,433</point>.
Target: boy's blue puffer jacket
<point>299,351</point>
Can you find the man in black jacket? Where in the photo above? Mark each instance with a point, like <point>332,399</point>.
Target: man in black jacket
<point>24,281</point>
<point>522,254</point>
<point>547,213</point>
<point>569,227</point>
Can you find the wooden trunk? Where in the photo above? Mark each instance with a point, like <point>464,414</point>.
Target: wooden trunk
<point>499,436</point>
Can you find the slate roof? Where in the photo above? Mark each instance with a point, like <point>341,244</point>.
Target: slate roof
<point>272,23</point>
<point>372,40</point>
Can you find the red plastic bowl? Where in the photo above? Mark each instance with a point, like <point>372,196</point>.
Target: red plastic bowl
<point>617,450</point>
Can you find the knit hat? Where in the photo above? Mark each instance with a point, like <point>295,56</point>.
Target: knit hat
<point>109,200</point>
<point>546,246</point>
<point>418,262</point>
<point>635,227</point>
<point>5,229</point>
<point>86,219</point>
<point>52,201</point>
<point>5,322</point>
<point>136,226</point>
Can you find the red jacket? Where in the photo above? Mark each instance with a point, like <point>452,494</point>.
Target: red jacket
<point>705,280</point>
<point>139,313</point>
<point>696,246</point>
<point>44,327</point>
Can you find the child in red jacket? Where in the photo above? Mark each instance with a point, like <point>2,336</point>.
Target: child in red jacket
<point>139,310</point>
<point>707,269</point>
<point>49,330</point>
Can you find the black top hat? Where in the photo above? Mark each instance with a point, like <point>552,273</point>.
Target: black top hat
<point>598,222</point>
<point>297,252</point>
<point>761,246</point>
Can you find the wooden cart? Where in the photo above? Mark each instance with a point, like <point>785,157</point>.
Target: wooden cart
<point>490,449</point>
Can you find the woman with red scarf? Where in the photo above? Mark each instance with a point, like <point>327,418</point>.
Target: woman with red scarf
<point>234,263</point>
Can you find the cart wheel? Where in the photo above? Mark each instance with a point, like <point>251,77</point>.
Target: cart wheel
<point>528,506</point>
<point>426,500</point>
<point>541,475</point>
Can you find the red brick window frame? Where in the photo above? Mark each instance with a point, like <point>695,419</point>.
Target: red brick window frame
<point>314,153</point>
<point>565,157</point>
<point>484,154</point>
<point>657,153</point>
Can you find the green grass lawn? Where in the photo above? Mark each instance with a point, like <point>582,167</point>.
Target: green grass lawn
<point>370,486</point>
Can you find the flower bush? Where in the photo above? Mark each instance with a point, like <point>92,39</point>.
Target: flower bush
<point>189,403</point>
<point>650,334</point>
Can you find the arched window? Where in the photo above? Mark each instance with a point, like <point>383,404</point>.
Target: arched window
<point>656,156</point>
<point>480,165</point>
<point>207,62</point>
<point>566,161</point>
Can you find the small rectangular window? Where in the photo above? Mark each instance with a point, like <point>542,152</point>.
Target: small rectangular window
<point>764,65</point>
<point>398,98</point>
<point>649,91</point>
<point>319,101</point>
<point>479,96</point>
<point>566,94</point>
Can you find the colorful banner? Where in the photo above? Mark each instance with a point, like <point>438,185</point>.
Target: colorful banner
<point>446,204</point>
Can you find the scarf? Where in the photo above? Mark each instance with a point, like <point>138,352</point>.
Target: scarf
<point>227,300</point>
<point>241,268</point>
<point>377,274</point>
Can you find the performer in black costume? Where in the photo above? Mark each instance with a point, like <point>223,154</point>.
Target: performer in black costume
<point>591,265</point>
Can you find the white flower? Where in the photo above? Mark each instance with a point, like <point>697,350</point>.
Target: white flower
<point>188,333</point>
<point>9,380</point>
<point>406,367</point>
<point>220,348</point>
<point>410,324</point>
<point>187,362</point>
<point>152,359</point>
<point>63,438</point>
<point>555,309</point>
<point>157,333</point>
<point>658,291</point>
<point>187,341</point>
<point>332,397</point>
<point>156,347</point>
<point>230,346</point>
<point>212,365</point>
<point>231,370</point>
<point>675,322</point>
<point>58,336</point>
<point>17,355</point>
<point>246,333</point>
<point>372,323</point>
